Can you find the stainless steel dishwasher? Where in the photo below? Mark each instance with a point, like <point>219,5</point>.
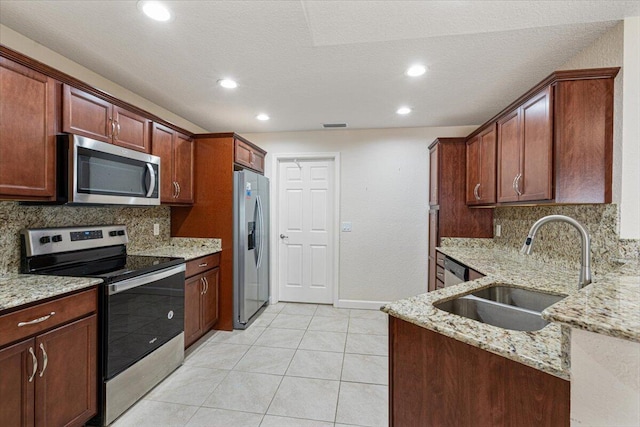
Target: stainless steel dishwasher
<point>454,272</point>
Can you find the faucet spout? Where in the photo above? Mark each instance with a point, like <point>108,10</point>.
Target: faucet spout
<point>585,265</point>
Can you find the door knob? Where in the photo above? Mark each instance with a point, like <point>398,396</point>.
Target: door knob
<point>282,236</point>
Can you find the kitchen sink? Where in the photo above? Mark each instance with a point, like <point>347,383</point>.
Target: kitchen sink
<point>494,313</point>
<point>523,298</point>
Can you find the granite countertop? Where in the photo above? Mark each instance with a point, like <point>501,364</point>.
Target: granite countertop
<point>19,289</point>
<point>183,247</point>
<point>543,349</point>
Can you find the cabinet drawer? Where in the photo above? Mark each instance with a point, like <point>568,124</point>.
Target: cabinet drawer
<point>440,259</point>
<point>439,284</point>
<point>440,273</point>
<point>65,309</point>
<point>202,264</point>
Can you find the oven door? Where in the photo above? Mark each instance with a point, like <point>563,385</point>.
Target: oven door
<point>141,314</point>
<point>101,173</point>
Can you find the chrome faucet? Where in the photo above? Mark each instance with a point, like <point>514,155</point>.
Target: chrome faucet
<point>585,267</point>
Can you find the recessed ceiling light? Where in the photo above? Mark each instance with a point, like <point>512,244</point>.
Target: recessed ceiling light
<point>403,110</point>
<point>155,10</point>
<point>416,70</point>
<point>228,83</point>
<point>263,117</point>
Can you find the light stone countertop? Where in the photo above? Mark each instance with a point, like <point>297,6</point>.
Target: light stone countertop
<point>611,305</point>
<point>19,289</point>
<point>183,247</point>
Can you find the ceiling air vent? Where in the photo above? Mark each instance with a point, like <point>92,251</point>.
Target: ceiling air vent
<point>334,125</point>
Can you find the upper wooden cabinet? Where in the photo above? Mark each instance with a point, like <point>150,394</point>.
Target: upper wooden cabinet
<point>555,142</point>
<point>481,167</point>
<point>29,101</point>
<point>525,142</point>
<point>248,155</point>
<point>176,164</point>
<point>88,115</point>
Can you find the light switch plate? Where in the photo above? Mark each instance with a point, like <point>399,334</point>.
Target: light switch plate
<point>346,226</point>
<point>156,229</point>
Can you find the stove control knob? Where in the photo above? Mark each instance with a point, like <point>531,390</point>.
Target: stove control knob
<point>113,233</point>
<point>120,232</point>
<point>45,239</point>
<point>57,238</point>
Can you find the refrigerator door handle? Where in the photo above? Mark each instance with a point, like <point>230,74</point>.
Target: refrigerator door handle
<point>260,231</point>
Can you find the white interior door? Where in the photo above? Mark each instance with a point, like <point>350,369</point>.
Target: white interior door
<point>305,230</point>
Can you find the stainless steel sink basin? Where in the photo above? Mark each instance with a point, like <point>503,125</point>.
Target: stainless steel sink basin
<point>493,313</point>
<point>523,298</point>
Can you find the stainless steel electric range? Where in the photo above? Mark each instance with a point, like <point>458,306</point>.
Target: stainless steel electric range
<point>141,308</point>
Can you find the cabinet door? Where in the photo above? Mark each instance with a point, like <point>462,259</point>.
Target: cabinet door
<point>487,168</point>
<point>473,172</point>
<point>433,175</point>
<point>242,153</point>
<point>193,289</point>
<point>210,299</point>
<point>509,157</point>
<point>183,167</point>
<point>16,391</point>
<point>27,132</point>
<point>86,115</point>
<point>66,382</point>
<point>257,161</point>
<point>131,130</point>
<point>162,146</point>
<point>535,182</point>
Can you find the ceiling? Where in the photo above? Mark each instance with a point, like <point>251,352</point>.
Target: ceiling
<point>311,62</point>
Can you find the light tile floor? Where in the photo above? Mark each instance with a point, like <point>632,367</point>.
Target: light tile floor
<point>298,365</point>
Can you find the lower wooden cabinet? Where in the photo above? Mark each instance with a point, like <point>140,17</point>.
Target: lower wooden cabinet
<point>201,298</point>
<point>50,379</point>
<point>435,380</point>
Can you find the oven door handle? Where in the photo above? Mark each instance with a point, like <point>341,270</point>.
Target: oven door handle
<point>144,279</point>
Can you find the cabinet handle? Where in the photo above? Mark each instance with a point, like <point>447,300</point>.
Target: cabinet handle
<point>202,283</point>
<point>38,320</point>
<point>206,284</point>
<point>34,361</point>
<point>513,184</point>
<point>113,126</point>
<point>45,359</point>
<point>175,189</point>
<point>475,191</point>
<point>204,264</point>
<point>517,186</point>
<point>178,185</point>
<point>118,129</point>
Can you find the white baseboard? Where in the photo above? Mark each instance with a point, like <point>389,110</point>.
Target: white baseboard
<point>360,304</point>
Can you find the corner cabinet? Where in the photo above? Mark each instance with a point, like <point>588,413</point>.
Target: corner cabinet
<point>176,168</point>
<point>29,102</point>
<point>49,376</point>
<point>88,115</point>
<point>449,216</point>
<point>201,297</point>
<point>481,167</point>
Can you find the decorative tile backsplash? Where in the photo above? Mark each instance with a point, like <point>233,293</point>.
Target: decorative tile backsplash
<point>139,222</point>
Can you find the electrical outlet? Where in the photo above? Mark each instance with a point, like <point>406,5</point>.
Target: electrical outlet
<point>346,227</point>
<point>156,229</point>
<point>498,230</point>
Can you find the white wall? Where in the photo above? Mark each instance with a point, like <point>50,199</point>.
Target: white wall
<point>605,380</point>
<point>384,181</point>
<point>28,47</point>
<point>620,47</point>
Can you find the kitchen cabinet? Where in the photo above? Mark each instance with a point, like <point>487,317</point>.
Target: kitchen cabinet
<point>481,167</point>
<point>176,152</point>
<point>201,297</point>
<point>248,155</point>
<point>94,117</point>
<point>449,215</point>
<point>49,376</point>
<point>212,213</point>
<point>525,143</point>
<point>435,380</point>
<point>29,101</point>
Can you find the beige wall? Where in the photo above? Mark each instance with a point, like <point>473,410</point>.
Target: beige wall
<point>384,181</point>
<point>22,44</point>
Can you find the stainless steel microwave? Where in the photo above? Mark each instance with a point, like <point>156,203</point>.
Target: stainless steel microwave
<point>97,173</point>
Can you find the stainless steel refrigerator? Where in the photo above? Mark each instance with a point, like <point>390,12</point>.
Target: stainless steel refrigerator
<point>251,247</point>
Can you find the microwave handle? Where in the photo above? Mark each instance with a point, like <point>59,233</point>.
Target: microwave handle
<point>152,184</point>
